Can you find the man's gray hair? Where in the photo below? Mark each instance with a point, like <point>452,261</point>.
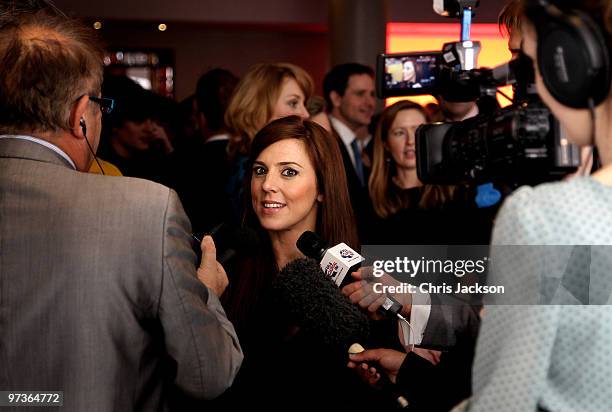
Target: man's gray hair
<point>47,61</point>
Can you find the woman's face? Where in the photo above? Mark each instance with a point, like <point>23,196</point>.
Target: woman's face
<point>290,101</point>
<point>401,140</point>
<point>576,122</point>
<point>135,135</point>
<point>284,187</point>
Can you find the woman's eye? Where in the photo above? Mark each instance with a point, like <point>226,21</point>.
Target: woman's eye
<point>293,104</point>
<point>289,172</point>
<point>399,133</point>
<point>259,170</point>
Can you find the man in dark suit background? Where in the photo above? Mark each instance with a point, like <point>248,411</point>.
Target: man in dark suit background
<point>200,168</point>
<point>99,294</point>
<point>350,96</point>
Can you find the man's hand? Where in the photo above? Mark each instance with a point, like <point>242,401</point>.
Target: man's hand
<point>362,292</point>
<point>210,272</point>
<point>388,359</point>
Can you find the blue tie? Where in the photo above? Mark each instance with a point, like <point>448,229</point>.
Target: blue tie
<point>358,161</point>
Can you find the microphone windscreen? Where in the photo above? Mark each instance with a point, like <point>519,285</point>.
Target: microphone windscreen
<point>312,302</point>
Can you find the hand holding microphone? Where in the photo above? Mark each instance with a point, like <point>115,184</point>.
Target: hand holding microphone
<point>380,367</point>
<point>312,302</point>
<point>338,263</point>
<point>390,360</point>
<point>210,272</point>
<point>361,292</point>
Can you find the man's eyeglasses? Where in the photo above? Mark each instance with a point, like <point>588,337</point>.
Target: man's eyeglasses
<point>106,104</point>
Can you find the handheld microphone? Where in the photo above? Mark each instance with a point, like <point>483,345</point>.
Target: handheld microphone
<point>339,261</point>
<point>384,383</point>
<point>230,242</point>
<point>336,262</point>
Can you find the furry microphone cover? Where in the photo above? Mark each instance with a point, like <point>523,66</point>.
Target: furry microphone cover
<point>310,301</point>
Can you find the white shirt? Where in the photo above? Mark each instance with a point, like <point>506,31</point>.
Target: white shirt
<point>217,137</point>
<point>42,143</point>
<point>346,135</point>
<point>419,316</point>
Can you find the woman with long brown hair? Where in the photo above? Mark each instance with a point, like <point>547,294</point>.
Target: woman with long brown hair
<point>394,163</point>
<point>295,182</point>
<point>300,187</point>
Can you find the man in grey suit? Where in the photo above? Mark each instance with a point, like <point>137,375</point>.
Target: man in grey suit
<point>99,294</point>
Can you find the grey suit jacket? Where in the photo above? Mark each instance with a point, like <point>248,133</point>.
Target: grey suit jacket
<point>450,321</point>
<point>98,291</point>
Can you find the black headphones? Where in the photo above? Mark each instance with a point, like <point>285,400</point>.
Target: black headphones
<point>83,126</point>
<point>573,54</point>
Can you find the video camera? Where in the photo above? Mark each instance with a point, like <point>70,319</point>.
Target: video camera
<point>520,144</point>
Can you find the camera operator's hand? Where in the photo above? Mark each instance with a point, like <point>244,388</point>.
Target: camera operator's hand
<point>362,292</point>
<point>210,272</point>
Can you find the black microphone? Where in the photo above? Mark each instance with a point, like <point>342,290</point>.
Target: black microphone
<point>339,261</point>
<point>230,242</point>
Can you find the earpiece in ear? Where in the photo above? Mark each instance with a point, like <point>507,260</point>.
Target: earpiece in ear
<point>83,126</point>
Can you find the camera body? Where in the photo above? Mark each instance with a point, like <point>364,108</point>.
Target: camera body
<point>520,144</point>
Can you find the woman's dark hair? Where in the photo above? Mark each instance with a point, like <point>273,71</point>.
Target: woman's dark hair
<point>335,219</point>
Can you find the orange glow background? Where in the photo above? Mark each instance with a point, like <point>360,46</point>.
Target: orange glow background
<point>412,37</point>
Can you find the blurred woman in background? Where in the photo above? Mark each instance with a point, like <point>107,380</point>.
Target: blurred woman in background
<point>406,211</point>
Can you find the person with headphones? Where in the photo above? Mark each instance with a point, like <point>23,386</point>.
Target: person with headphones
<point>545,344</point>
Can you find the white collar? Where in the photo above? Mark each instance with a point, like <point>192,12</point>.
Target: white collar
<point>345,133</point>
<point>217,137</point>
<point>42,142</point>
